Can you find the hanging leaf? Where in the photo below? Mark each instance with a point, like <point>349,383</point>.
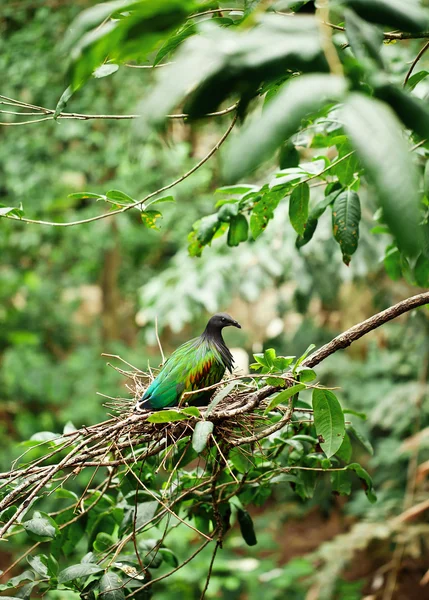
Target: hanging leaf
<point>150,217</point>
<point>328,420</point>
<point>365,40</point>
<point>120,197</point>
<point>202,432</point>
<point>41,527</point>
<point>238,230</point>
<point>406,16</point>
<point>298,207</point>
<point>77,571</point>
<point>346,216</point>
<point>361,438</point>
<point>365,479</point>
<point>281,119</point>
<point>376,134</point>
<point>344,452</point>
<point>246,527</point>
<point>341,482</point>
<point>314,216</point>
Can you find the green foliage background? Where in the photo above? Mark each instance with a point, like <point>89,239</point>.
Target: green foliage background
<point>69,294</point>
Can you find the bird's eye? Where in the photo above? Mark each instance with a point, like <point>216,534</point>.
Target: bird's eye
<point>223,319</point>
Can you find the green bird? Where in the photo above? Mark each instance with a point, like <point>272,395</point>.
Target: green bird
<point>197,364</point>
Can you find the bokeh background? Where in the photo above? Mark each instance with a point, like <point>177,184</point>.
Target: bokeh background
<point>67,295</point>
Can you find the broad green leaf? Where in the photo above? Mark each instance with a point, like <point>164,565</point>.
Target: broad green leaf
<point>345,450</point>
<point>119,197</point>
<point>85,195</point>
<point>421,271</point>
<point>346,216</point>
<point>236,190</point>
<point>206,228</point>
<point>298,207</point>
<point>41,527</point>
<point>412,111</point>
<point>238,230</point>
<point>246,527</point>
<point>241,460</point>
<point>305,374</point>
<point>202,432</point>
<point>227,212</point>
<point>263,212</point>
<point>162,200</point>
<point>167,416</point>
<point>361,438</point>
<point>191,410</point>
<point>169,557</point>
<point>102,542</point>
<point>416,78</point>
<point>341,482</point>
<point>288,156</point>
<point>376,134</point>
<point>281,119</point>
<point>77,571</point>
<point>284,396</point>
<point>365,479</point>
<point>38,565</point>
<point>314,216</point>
<point>328,420</point>
<point>175,40</point>
<point>365,40</point>
<point>406,16</point>
<point>145,512</point>
<point>269,357</point>
<point>10,210</point>
<point>392,263</point>
<point>360,415</point>
<point>111,587</point>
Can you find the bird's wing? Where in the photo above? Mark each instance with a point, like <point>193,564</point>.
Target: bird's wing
<point>192,366</point>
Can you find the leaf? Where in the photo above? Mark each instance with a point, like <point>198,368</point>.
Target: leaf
<point>392,263</point>
<point>314,216</point>
<point>219,397</point>
<point>375,134</point>
<point>162,200</point>
<point>238,230</point>
<point>346,216</point>
<point>246,527</point>
<point>41,527</point>
<point>303,356</point>
<point>263,212</point>
<point>288,156</point>
<point>421,271</point>
<point>305,374</point>
<point>298,207</point>
<point>241,461</point>
<point>328,420</point>
<point>77,571</point>
<point>10,210</point>
<point>361,438</point>
<point>227,212</point>
<point>365,40</point>
<point>169,557</point>
<point>406,16</point>
<point>118,196</point>
<point>175,40</point>
<point>341,482</point>
<point>149,218</point>
<point>102,542</point>
<point>145,512</point>
<point>105,70</point>
<point>38,565</point>
<point>284,396</point>
<point>206,228</point>
<point>280,120</point>
<point>412,111</point>
<point>366,481</point>
<point>167,416</point>
<point>345,450</point>
<point>85,196</point>
<point>191,411</point>
<point>360,415</point>
<point>62,102</point>
<point>416,78</point>
<point>111,587</point>
<point>202,432</point>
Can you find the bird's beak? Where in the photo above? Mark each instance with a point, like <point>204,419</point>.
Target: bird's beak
<point>237,324</point>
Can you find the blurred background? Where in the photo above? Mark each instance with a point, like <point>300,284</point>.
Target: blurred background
<point>67,295</point>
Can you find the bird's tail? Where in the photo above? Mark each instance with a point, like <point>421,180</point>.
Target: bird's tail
<point>142,405</point>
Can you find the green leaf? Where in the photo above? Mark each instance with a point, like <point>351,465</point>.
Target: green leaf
<point>263,212</point>
<point>206,228</point>
<point>102,542</point>
<point>149,218</point>
<point>412,111</point>
<point>288,156</point>
<point>236,190</point>
<point>421,271</point>
<point>303,356</point>
<point>269,357</point>
<point>167,416</point>
<point>191,411</point>
<point>406,16</point>
<point>78,571</point>
<point>284,396</point>
<point>305,374</point>
<point>240,460</point>
<point>361,438</point>
<point>238,230</point>
<point>345,450</point>
<point>162,200</point>
<point>328,420</point>
<point>341,482</point>
<point>175,40</point>
<point>346,216</point>
<point>416,78</point>
<point>169,557</point>
<point>41,527</point>
<point>11,211</point>
<point>145,512</point>
<point>105,70</point>
<point>314,216</point>
<point>298,207</point>
<point>202,432</point>
<point>365,479</point>
<point>279,121</point>
<point>375,134</point>
<point>392,263</point>
<point>246,527</point>
<point>365,40</point>
<point>85,196</point>
<point>120,197</point>
<point>111,587</point>
<point>62,102</point>
<point>227,212</point>
<point>360,415</point>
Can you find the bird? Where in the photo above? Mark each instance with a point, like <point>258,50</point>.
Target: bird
<point>196,364</point>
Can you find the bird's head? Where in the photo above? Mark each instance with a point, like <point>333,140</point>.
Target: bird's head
<point>221,320</point>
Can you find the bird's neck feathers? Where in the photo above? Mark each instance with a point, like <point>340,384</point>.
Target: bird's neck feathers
<point>213,337</point>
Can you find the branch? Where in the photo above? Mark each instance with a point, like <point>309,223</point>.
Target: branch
<point>357,331</point>
<point>139,202</point>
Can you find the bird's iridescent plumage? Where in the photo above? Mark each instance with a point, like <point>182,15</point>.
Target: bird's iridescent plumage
<point>197,364</point>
